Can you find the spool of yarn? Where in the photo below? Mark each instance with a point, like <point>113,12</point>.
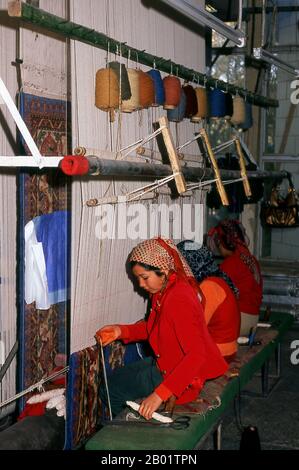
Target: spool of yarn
<point>191,101</point>
<point>248,123</point>
<point>133,103</point>
<point>158,87</point>
<point>177,114</point>
<point>238,116</point>
<point>217,102</point>
<point>172,89</point>
<point>146,90</point>
<point>202,104</point>
<point>229,106</point>
<point>106,89</point>
<point>123,79</point>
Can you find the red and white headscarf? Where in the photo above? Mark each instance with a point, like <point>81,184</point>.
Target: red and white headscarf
<point>162,253</point>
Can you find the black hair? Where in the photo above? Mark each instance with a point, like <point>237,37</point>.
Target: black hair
<point>148,267</point>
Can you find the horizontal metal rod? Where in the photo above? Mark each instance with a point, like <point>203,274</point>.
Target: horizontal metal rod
<point>30,14</point>
<point>114,168</point>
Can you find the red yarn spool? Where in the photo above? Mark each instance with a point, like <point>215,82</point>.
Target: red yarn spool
<point>172,88</point>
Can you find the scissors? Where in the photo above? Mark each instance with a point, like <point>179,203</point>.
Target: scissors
<point>180,423</point>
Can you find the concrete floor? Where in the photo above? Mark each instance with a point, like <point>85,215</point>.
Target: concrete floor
<point>277,416</point>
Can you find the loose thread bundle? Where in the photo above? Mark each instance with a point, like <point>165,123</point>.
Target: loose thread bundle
<point>158,87</point>
<point>146,90</point>
<point>123,80</point>
<point>191,101</point>
<point>133,103</point>
<point>177,114</point>
<point>172,88</point>
<point>217,102</point>
<point>202,105</point>
<point>106,90</point>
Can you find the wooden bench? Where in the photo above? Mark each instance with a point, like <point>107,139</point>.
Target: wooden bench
<point>205,413</point>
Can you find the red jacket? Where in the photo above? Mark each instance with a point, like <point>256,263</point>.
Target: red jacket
<point>250,290</point>
<point>177,333</point>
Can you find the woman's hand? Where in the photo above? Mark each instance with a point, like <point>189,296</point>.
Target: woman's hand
<point>149,405</point>
<point>108,334</point>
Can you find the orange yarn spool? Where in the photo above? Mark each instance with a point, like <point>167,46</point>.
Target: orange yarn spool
<point>106,90</point>
<point>202,104</point>
<point>146,90</point>
<point>172,88</point>
<point>134,102</point>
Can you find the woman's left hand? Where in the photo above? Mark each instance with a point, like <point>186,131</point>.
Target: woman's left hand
<point>149,405</point>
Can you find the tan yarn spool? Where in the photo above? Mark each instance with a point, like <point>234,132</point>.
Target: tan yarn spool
<point>172,88</point>
<point>239,113</point>
<point>133,103</point>
<point>202,104</point>
<point>107,89</point>
<point>146,90</point>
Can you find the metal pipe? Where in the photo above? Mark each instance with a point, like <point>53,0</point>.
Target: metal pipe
<point>114,168</point>
<point>30,14</point>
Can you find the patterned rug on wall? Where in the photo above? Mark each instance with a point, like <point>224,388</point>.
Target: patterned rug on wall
<point>43,332</point>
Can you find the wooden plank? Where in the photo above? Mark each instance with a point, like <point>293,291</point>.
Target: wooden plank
<point>173,156</point>
<point>219,184</point>
<point>245,181</point>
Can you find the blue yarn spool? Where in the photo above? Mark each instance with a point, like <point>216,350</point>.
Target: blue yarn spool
<point>159,87</point>
<point>177,114</point>
<point>217,103</point>
<point>248,117</point>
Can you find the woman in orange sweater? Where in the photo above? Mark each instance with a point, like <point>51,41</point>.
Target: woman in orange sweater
<point>219,300</point>
<point>229,239</point>
<point>184,354</point>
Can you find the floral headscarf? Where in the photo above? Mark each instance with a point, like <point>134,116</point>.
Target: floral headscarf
<point>202,263</point>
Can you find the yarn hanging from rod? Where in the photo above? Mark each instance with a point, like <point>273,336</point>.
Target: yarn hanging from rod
<point>146,90</point>
<point>202,105</point>
<point>106,89</point>
<point>229,105</point>
<point>123,80</point>
<point>239,113</point>
<point>158,87</point>
<point>128,106</point>
<point>248,123</point>
<point>191,101</point>
<point>172,89</point>
<point>217,103</point>
<point>177,114</point>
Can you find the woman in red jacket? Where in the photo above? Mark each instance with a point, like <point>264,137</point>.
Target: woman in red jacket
<point>219,300</point>
<point>184,353</point>
<point>230,240</point>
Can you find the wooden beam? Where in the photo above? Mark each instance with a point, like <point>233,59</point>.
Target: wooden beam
<point>209,151</point>
<point>245,181</point>
<point>173,156</point>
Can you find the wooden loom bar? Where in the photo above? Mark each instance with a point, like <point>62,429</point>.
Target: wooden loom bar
<point>246,184</point>
<point>30,14</point>
<point>209,151</point>
<point>173,156</point>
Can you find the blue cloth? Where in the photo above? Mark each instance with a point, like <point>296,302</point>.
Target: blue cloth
<point>52,232</point>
